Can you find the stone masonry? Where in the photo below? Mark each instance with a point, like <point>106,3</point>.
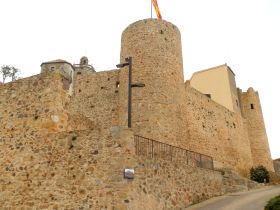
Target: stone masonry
<point>64,141</point>
<point>276,164</point>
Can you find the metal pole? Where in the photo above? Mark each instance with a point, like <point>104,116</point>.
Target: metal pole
<point>129,91</point>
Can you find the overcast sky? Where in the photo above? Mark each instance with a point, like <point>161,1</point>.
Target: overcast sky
<point>245,34</point>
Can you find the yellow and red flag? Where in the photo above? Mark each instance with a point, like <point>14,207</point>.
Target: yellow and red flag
<point>155,4</point>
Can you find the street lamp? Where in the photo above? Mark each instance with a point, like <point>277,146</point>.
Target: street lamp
<point>128,62</point>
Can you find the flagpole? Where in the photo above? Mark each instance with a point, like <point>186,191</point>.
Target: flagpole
<point>151,9</point>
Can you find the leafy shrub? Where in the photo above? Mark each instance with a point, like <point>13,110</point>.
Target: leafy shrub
<point>259,174</point>
<point>273,204</point>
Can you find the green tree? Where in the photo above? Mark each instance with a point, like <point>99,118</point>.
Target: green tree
<point>5,71</point>
<point>9,72</point>
<point>14,73</point>
<point>259,174</point>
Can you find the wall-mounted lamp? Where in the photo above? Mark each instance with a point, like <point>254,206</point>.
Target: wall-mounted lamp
<point>128,173</point>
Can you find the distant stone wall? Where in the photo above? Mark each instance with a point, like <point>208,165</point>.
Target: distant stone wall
<point>211,129</point>
<point>34,104</point>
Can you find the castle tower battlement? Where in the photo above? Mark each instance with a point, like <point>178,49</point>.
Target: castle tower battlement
<point>155,47</point>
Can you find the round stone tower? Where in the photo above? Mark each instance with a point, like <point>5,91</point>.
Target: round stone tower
<point>155,48</point>
<point>252,112</point>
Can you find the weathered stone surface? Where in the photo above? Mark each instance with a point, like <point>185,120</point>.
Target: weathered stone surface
<point>28,108</point>
<point>47,173</point>
<point>69,151</point>
<point>172,186</point>
<point>213,130</point>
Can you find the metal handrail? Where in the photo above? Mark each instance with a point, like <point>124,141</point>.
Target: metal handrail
<point>158,150</point>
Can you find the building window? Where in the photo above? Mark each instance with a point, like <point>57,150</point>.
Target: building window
<point>252,106</point>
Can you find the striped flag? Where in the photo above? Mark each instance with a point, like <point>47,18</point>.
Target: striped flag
<point>157,9</point>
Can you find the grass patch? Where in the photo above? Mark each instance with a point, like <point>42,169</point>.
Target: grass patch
<point>273,204</point>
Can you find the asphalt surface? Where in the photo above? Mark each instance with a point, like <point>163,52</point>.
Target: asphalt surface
<point>250,200</point>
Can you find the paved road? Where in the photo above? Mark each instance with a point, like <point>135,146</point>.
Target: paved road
<point>251,200</point>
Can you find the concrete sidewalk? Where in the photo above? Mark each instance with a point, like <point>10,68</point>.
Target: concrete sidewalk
<point>250,200</point>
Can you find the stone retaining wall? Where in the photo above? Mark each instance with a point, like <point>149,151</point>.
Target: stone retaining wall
<point>84,170</point>
<point>166,185</point>
<point>68,170</point>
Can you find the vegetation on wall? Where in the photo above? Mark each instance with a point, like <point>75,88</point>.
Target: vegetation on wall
<point>259,174</point>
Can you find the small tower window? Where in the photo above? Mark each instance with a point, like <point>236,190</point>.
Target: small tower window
<point>252,106</point>
<point>117,84</point>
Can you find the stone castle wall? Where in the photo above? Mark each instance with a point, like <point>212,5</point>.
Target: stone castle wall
<point>41,104</point>
<point>84,170</point>
<point>61,150</point>
<point>96,98</point>
<point>167,111</point>
<point>213,130</point>
<point>34,104</point>
<point>161,184</point>
<point>66,170</point>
